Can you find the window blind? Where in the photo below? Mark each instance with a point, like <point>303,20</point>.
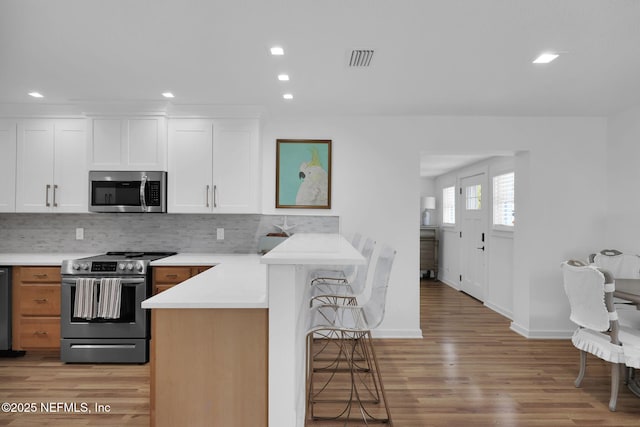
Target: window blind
<point>449,205</point>
<point>503,199</point>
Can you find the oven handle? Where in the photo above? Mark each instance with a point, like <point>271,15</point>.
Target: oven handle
<point>143,201</point>
<point>124,282</point>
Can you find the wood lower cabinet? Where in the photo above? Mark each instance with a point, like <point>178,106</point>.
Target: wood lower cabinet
<point>36,308</point>
<point>209,367</point>
<point>166,277</point>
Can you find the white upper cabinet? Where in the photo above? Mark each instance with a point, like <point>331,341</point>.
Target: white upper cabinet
<point>8,165</point>
<point>214,166</point>
<point>51,166</point>
<point>133,143</point>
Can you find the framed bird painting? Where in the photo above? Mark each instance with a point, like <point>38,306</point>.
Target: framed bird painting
<point>303,173</point>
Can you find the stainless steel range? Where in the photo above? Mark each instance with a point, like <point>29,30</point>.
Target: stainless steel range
<point>101,317</point>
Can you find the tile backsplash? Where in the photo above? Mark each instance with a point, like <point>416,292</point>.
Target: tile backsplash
<point>33,233</point>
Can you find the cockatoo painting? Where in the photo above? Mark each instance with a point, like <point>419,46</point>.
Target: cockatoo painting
<point>314,188</point>
<point>303,173</point>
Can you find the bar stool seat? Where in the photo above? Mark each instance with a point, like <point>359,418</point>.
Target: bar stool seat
<point>346,290</point>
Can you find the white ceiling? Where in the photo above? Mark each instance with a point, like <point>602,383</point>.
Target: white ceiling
<point>444,57</point>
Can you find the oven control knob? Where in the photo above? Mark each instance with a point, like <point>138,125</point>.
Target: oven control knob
<point>130,267</point>
<point>85,266</point>
<point>140,268</point>
<point>121,266</point>
<point>76,266</point>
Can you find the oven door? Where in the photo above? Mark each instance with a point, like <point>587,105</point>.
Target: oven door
<point>132,323</point>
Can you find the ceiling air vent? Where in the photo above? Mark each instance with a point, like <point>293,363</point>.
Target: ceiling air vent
<point>360,58</point>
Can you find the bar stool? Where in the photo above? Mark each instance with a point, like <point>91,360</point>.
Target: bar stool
<point>349,326</point>
<point>332,291</point>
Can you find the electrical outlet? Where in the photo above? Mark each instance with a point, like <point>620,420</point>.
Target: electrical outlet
<point>220,233</point>
<point>79,233</point>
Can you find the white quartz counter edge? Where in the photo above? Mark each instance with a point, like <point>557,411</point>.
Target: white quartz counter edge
<point>44,259</point>
<point>236,281</point>
<point>314,249</point>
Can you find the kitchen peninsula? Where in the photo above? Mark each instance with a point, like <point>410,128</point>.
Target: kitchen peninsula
<point>228,344</point>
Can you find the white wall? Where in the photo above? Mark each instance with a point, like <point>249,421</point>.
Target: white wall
<point>376,189</point>
<point>623,201</point>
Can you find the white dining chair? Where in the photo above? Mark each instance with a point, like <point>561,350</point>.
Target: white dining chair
<point>590,294</point>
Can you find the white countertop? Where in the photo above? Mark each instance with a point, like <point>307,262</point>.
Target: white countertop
<point>236,281</point>
<point>198,259</point>
<point>46,259</point>
<point>314,249</point>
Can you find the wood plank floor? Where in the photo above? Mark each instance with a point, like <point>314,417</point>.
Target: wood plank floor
<point>469,369</point>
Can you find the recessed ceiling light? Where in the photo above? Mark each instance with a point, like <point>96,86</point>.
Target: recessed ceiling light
<point>283,77</point>
<point>277,50</point>
<point>287,96</point>
<point>36,94</point>
<point>168,95</point>
<point>545,58</point>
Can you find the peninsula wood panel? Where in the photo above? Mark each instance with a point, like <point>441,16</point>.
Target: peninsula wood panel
<point>209,367</point>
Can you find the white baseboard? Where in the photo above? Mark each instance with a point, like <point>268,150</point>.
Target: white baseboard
<point>540,334</point>
<point>453,285</point>
<point>397,333</point>
<point>499,310</point>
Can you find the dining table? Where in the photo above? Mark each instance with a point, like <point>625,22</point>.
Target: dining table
<point>629,290</point>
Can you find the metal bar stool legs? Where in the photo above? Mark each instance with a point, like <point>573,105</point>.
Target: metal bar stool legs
<point>353,394</point>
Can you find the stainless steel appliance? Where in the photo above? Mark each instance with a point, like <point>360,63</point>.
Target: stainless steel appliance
<point>5,309</point>
<point>95,339</point>
<point>127,191</point>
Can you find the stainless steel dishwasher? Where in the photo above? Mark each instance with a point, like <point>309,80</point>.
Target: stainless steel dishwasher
<point>5,314</point>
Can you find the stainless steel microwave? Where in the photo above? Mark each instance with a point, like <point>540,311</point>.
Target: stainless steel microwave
<point>127,191</point>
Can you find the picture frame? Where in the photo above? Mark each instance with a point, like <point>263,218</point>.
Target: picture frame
<point>303,173</point>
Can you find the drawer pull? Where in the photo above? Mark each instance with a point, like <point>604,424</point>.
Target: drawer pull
<point>41,275</point>
<point>40,300</point>
<point>40,333</point>
<point>171,276</point>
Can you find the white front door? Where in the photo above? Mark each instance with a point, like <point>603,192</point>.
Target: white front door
<point>473,220</point>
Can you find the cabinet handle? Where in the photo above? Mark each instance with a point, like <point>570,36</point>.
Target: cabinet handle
<point>40,333</point>
<point>215,196</point>
<point>171,276</point>
<point>41,275</point>
<point>55,187</point>
<point>208,187</point>
<point>40,300</point>
<point>46,201</point>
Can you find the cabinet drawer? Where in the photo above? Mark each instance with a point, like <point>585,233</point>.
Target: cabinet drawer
<point>40,300</point>
<point>171,275</point>
<point>40,332</point>
<point>161,288</point>
<point>39,274</point>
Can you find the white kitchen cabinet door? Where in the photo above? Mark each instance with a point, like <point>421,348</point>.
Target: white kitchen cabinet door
<point>236,166</point>
<point>70,166</point>
<point>190,179</point>
<point>34,180</point>
<point>8,165</point>
<point>133,143</point>
<point>51,166</point>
